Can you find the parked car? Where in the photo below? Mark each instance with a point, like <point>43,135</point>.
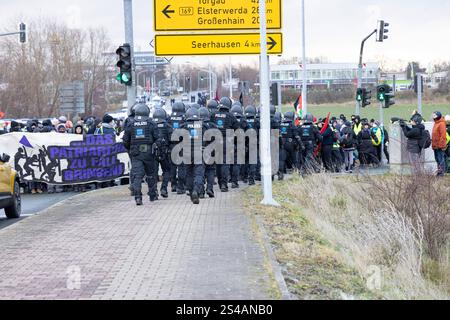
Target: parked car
<point>10,198</point>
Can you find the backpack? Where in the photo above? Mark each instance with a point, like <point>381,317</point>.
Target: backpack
<point>425,140</point>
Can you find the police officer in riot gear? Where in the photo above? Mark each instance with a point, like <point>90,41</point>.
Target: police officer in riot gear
<point>210,168</point>
<point>195,169</point>
<point>252,123</point>
<point>224,121</point>
<point>310,137</point>
<point>177,173</point>
<point>290,143</point>
<point>138,139</point>
<point>161,148</point>
<point>237,169</point>
<point>213,106</point>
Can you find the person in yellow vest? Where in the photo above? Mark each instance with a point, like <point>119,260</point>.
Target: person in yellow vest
<point>357,125</point>
<point>378,142</point>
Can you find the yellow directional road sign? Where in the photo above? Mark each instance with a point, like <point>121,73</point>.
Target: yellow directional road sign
<point>216,44</point>
<point>183,15</point>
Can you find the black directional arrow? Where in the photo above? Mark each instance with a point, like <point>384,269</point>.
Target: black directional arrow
<point>272,43</point>
<point>166,11</point>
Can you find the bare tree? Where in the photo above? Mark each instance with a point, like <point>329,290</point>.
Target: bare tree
<point>35,72</point>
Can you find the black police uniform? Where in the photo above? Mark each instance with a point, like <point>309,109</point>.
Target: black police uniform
<point>177,173</point>
<point>210,168</point>
<point>161,148</point>
<point>236,168</point>
<point>290,144</point>
<point>224,121</point>
<point>252,123</point>
<point>138,139</point>
<point>310,136</point>
<point>195,172</point>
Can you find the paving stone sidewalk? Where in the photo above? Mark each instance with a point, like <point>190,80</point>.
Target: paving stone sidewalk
<point>101,246</point>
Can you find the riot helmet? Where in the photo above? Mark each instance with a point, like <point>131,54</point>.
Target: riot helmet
<point>250,112</point>
<point>204,114</point>
<point>213,105</point>
<point>225,104</point>
<point>289,116</point>
<point>237,111</point>
<point>142,110</point>
<point>192,115</point>
<point>159,115</point>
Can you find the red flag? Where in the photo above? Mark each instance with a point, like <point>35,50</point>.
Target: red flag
<point>324,128</point>
<point>217,98</point>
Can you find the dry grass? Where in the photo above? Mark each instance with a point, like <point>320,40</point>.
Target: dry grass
<point>340,234</point>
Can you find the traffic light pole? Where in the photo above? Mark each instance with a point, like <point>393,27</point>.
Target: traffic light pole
<point>360,70</point>
<point>419,92</point>
<point>128,14</point>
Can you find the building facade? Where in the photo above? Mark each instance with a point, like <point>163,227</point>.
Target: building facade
<point>324,75</point>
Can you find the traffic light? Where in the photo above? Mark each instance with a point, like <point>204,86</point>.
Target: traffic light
<point>23,33</point>
<point>364,96</point>
<point>359,95</point>
<point>274,94</point>
<point>367,96</point>
<point>385,95</point>
<point>389,97</point>
<point>416,83</point>
<point>125,65</point>
<point>381,31</point>
<point>381,93</point>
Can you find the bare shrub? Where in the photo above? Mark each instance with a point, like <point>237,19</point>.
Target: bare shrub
<point>369,231</point>
<point>424,199</point>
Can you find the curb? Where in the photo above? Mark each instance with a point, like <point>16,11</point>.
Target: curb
<point>285,295</point>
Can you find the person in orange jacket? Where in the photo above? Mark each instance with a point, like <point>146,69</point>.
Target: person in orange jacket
<point>439,142</point>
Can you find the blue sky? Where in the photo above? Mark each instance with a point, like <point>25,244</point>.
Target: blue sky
<point>419,29</point>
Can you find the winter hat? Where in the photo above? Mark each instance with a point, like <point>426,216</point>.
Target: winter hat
<point>47,123</point>
<point>437,115</point>
<point>107,119</point>
<point>61,126</point>
<point>62,119</point>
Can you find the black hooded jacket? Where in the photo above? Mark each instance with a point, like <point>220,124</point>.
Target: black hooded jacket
<point>413,135</point>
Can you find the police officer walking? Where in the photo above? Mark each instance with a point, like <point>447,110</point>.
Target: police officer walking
<point>291,143</point>
<point>210,168</point>
<point>252,124</point>
<point>195,169</point>
<point>138,139</point>
<point>224,121</point>
<point>310,137</point>
<point>161,148</point>
<point>236,168</point>
<point>177,173</point>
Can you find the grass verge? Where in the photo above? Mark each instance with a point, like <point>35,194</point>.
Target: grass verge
<point>331,246</point>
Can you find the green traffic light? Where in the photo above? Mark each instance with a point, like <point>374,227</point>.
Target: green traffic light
<point>381,97</point>
<point>119,77</point>
<point>125,78</point>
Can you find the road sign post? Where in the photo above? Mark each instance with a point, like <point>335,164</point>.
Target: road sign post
<point>266,157</point>
<point>201,15</point>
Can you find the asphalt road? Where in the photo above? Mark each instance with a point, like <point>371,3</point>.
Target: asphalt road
<point>33,204</point>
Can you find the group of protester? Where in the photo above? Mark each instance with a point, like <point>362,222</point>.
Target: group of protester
<point>83,126</point>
